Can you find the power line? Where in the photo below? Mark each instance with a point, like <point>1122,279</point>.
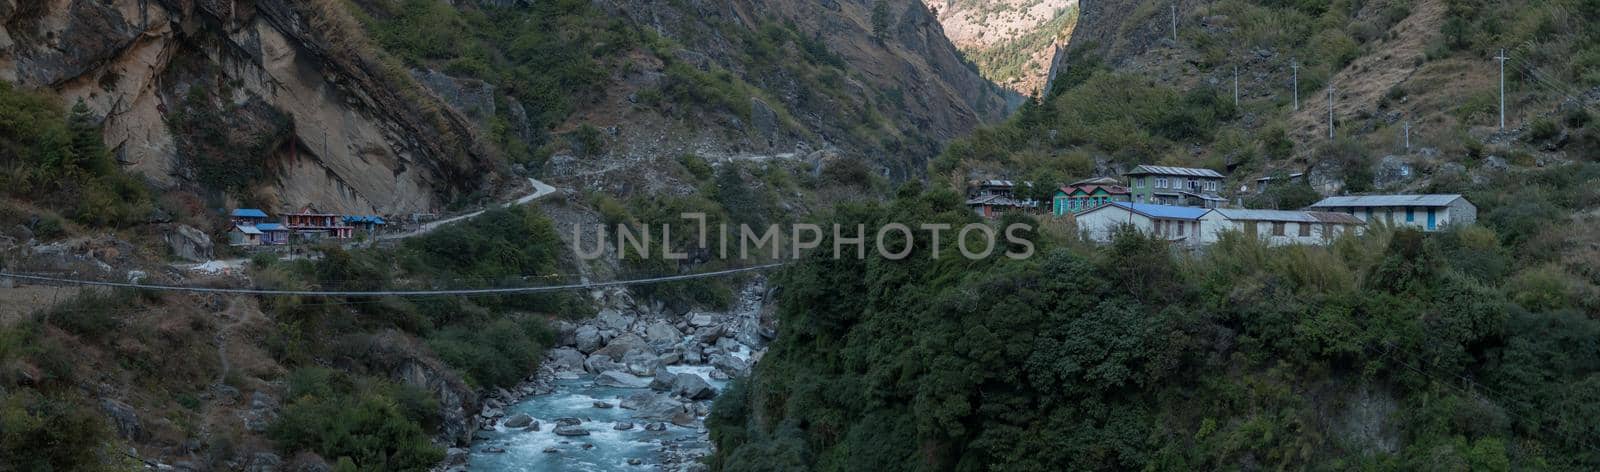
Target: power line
<point>394,293</point>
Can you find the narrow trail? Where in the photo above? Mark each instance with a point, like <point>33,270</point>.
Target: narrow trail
<point>540,190</point>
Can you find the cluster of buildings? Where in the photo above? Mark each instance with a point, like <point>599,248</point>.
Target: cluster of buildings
<point>1184,205</point>
<point>251,228</point>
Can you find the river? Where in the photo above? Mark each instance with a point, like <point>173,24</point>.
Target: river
<point>605,448</point>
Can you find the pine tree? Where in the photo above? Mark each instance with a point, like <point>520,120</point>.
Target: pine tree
<point>880,20</point>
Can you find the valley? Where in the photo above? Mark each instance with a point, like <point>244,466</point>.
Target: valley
<point>1285,235</point>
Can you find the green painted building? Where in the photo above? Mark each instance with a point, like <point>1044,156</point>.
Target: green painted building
<point>1088,195</point>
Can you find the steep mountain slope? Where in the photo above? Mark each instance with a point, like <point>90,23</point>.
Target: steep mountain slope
<point>1012,41</point>
<point>267,101</point>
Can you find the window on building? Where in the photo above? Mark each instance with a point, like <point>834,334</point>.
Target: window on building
<point>1158,227</point>
<point>1251,229</point>
<point>1180,227</point>
<point>1161,183</point>
<point>1305,229</point>
<point>1327,231</point>
<point>1277,228</point>
<point>1411,215</point>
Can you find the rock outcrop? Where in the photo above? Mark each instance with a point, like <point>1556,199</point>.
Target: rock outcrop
<point>362,139</point>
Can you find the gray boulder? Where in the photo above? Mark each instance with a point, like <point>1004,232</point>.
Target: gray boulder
<point>641,363</point>
<point>622,426</point>
<point>700,320</point>
<point>731,365</point>
<point>618,379</point>
<point>600,363</point>
<point>692,387</point>
<point>619,347</point>
<point>565,359</point>
<point>124,418</point>
<point>565,430</point>
<point>518,420</point>
<point>662,332</point>
<point>651,405</point>
<point>614,319</point>
<point>587,339</point>
<point>189,243</point>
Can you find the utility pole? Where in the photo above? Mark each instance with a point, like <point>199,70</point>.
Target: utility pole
<point>1296,66</point>
<point>1330,112</point>
<point>1408,136</point>
<point>1235,86</point>
<point>1174,24</point>
<point>1502,58</point>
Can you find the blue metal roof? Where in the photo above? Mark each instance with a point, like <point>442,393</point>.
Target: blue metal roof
<point>1163,211</point>
<point>271,227</point>
<point>249,213</point>
<point>377,220</point>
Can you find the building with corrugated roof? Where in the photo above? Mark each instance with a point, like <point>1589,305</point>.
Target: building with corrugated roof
<point>1279,227</point>
<point>1087,195</point>
<point>1425,212</point>
<point>1176,186</point>
<point>1174,223</point>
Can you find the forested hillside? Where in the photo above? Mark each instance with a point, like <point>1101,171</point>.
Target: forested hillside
<point>1470,349</point>
<point>1012,41</point>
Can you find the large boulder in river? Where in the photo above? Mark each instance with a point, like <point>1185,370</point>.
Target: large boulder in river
<point>518,420</point>
<point>641,363</point>
<point>614,319</point>
<point>565,359</point>
<point>587,339</point>
<point>619,347</point>
<point>598,363</point>
<point>730,364</point>
<point>692,387</point>
<point>652,405</point>
<point>618,379</point>
<point>662,332</point>
<point>564,430</point>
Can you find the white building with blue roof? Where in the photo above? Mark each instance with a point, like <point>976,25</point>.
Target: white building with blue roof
<point>1425,212</point>
<point>1173,223</point>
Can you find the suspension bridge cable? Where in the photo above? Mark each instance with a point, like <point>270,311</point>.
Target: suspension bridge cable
<point>392,293</point>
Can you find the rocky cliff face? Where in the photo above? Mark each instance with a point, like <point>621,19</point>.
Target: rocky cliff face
<point>1012,41</point>
<point>350,135</point>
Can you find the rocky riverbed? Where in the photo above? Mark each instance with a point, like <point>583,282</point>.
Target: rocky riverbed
<point>628,389</point>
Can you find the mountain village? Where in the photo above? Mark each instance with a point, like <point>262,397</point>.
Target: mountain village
<point>1183,205</point>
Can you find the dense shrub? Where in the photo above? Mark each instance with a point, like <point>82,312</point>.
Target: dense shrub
<point>371,423</point>
<point>57,160</point>
<point>1135,356</point>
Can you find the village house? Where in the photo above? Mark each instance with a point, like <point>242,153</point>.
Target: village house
<point>312,225</point>
<point>991,206</point>
<point>1279,227</point>
<point>273,234</point>
<point>1174,223</point>
<point>990,198</point>
<point>1176,186</point>
<point>978,188</point>
<point>1426,212</point>
<point>247,216</point>
<point>1087,195</point>
<point>365,223</point>
<point>244,235</point>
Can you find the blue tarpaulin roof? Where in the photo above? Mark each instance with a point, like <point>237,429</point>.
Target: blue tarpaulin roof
<point>1163,211</point>
<point>249,213</point>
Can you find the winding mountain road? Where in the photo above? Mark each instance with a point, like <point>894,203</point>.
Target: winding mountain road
<point>540,190</point>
